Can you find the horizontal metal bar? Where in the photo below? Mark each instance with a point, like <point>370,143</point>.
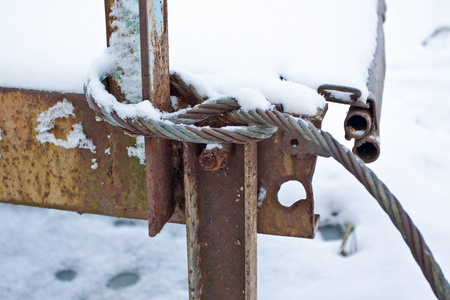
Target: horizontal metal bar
<point>46,175</point>
<point>50,176</point>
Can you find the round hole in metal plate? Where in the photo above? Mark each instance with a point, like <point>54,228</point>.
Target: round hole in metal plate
<point>290,192</point>
<point>294,143</point>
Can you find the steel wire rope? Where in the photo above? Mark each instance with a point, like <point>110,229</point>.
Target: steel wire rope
<point>262,124</point>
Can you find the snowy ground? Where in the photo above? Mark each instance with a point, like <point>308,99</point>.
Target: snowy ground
<point>36,244</point>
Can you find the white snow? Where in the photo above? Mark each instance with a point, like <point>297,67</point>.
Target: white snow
<point>104,64</point>
<point>261,195</point>
<point>360,133</point>
<point>138,150</point>
<point>49,44</point>
<point>231,47</point>
<point>126,44</point>
<point>94,165</point>
<point>86,251</point>
<point>108,150</point>
<point>261,54</point>
<point>212,146</point>
<point>290,192</point>
<point>414,163</point>
<point>75,138</point>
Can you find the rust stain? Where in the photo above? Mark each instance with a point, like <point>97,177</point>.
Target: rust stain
<point>279,162</point>
<point>62,127</point>
<point>156,88</point>
<point>50,176</point>
<point>216,226</point>
<point>54,177</point>
<point>215,158</point>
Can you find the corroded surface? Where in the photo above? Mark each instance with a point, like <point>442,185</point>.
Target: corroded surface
<point>50,176</point>
<point>215,158</point>
<point>251,228</point>
<point>55,177</point>
<point>215,209</point>
<point>282,158</point>
<point>367,137</point>
<point>156,88</point>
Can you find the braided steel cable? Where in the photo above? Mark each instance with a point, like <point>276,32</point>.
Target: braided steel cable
<point>388,202</point>
<point>262,124</point>
<point>178,127</point>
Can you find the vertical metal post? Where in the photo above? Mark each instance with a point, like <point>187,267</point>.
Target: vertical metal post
<point>221,225</point>
<point>156,88</point>
<point>251,205</point>
<point>191,212</point>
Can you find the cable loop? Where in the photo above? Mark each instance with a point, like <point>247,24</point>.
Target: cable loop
<point>261,125</point>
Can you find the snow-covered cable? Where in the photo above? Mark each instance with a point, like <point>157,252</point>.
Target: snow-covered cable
<point>258,125</point>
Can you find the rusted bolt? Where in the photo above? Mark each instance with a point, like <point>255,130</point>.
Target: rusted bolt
<point>214,158</point>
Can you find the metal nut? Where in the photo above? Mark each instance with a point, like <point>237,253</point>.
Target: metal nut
<point>213,159</point>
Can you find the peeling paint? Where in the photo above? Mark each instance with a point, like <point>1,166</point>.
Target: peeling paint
<point>158,16</point>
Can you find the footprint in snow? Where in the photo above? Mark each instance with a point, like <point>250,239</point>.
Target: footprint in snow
<point>123,280</point>
<point>66,275</point>
<point>121,222</point>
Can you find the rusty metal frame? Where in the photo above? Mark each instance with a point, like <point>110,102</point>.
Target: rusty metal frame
<point>50,176</point>
<point>223,207</point>
<point>222,258</point>
<point>45,175</point>
<point>221,224</point>
<point>156,87</point>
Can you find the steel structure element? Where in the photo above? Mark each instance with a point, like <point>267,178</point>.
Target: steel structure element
<point>363,119</point>
<point>224,195</point>
<point>221,224</point>
<point>50,176</point>
<point>156,88</point>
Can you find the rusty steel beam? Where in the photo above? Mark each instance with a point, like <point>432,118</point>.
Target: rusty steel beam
<point>46,175</point>
<point>273,217</point>
<point>221,224</point>
<point>156,88</point>
<point>117,187</point>
<point>251,213</point>
<point>191,213</point>
<point>123,189</point>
